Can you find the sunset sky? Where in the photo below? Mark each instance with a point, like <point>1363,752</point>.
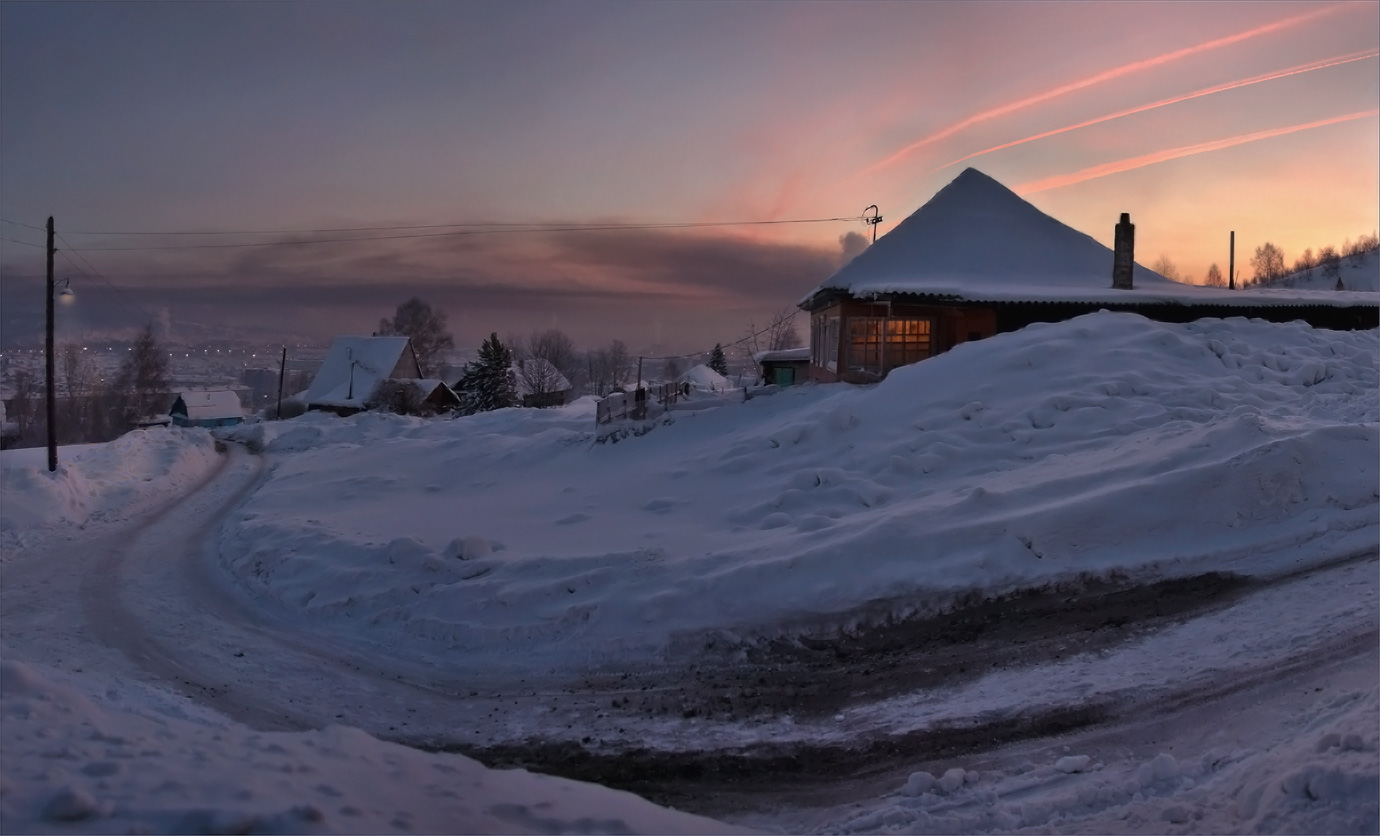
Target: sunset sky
<point>1197,118</point>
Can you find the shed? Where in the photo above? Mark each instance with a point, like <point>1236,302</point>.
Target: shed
<point>354,366</point>
<point>441,397</point>
<point>218,408</point>
<point>784,367</point>
<point>977,260</point>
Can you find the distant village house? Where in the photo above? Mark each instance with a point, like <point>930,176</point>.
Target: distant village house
<point>219,408</point>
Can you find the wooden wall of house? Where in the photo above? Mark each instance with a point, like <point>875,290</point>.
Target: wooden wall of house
<point>958,323</point>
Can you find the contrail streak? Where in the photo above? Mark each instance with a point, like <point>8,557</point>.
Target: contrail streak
<point>1207,91</point>
<point>1119,166</point>
<point>1106,75</point>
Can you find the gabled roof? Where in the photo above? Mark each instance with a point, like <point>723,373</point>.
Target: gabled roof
<point>355,365</point>
<point>978,241</point>
<point>538,370</point>
<point>210,406</point>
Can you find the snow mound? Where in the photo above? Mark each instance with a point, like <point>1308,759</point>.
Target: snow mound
<point>98,483</point>
<point>703,377</point>
<point>1106,445</point>
<point>76,766</point>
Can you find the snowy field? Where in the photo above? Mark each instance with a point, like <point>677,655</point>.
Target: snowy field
<point>1100,456</point>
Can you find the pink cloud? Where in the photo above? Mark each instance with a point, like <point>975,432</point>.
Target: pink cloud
<point>1118,166</point>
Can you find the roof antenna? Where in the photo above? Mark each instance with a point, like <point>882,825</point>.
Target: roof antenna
<point>873,219</point>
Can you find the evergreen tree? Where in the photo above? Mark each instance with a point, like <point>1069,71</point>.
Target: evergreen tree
<point>717,362</point>
<point>488,383</point>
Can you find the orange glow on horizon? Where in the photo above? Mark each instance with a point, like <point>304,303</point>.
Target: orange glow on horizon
<point>1098,78</point>
<point>1118,166</point>
<point>1206,91</point>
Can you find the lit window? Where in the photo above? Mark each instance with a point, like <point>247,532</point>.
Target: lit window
<point>876,345</point>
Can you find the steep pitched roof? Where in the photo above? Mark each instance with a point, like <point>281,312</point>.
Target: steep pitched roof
<point>211,406</point>
<point>538,373</point>
<point>355,365</point>
<point>978,241</point>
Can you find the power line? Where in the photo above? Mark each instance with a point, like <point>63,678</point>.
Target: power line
<point>25,243</point>
<point>98,273</point>
<point>26,226</point>
<point>702,353</point>
<point>482,226</point>
<point>531,229</point>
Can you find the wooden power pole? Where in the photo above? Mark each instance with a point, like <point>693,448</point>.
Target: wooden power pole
<point>1231,263</point>
<point>48,351</point>
<point>282,370</point>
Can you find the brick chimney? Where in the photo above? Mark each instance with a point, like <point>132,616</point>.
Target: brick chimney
<point>1124,253</point>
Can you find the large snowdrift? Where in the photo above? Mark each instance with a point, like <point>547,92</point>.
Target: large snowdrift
<point>97,483</point>
<point>1104,445</point>
<point>140,761</point>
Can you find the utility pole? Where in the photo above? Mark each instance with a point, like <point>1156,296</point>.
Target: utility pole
<point>282,370</point>
<point>1231,264</point>
<point>874,219</point>
<point>48,349</point>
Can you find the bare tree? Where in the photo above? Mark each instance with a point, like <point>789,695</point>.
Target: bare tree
<point>141,385</point>
<point>1214,277</point>
<point>607,367</point>
<point>1268,262</point>
<point>1330,263</point>
<point>23,409</point>
<point>1305,263</point>
<point>427,329</point>
<point>779,333</point>
<point>672,368</point>
<point>557,349</point>
<point>78,412</point>
<point>1355,252</point>
<point>538,381</point>
<point>1166,268</point>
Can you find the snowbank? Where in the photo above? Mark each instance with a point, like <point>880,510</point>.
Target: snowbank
<point>1105,445</point>
<point>97,483</point>
<point>149,763</point>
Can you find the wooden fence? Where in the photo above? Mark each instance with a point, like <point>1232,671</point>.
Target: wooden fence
<point>639,405</point>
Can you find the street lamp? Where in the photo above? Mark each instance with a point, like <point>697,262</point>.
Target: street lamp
<point>48,350</point>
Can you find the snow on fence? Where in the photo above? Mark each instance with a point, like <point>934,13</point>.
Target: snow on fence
<point>639,405</point>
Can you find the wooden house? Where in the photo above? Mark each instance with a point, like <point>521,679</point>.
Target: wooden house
<point>354,366</point>
<point>977,260</point>
<point>219,408</point>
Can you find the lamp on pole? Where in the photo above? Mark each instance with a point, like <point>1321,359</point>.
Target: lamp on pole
<point>50,377</point>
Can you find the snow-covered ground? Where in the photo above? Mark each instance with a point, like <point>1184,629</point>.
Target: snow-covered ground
<point>1110,444</point>
<point>1359,274</point>
<point>1106,452</point>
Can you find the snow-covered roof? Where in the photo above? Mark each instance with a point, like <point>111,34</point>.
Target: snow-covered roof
<point>355,365</point>
<point>705,378</point>
<point>539,370</point>
<point>211,406</point>
<point>782,355</point>
<point>978,241</point>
